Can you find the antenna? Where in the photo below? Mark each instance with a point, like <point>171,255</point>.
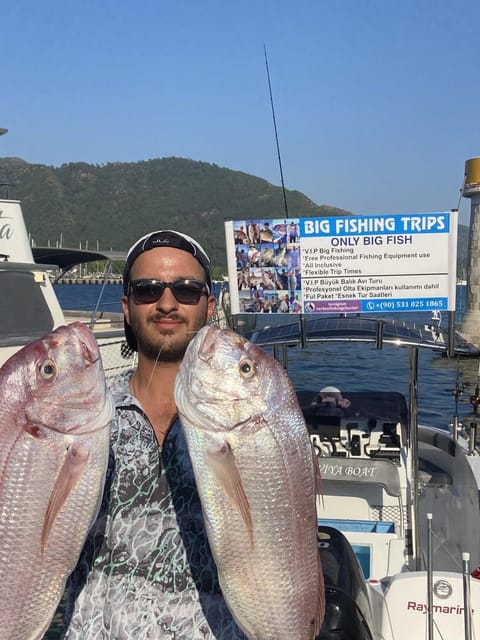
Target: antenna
<point>276,133</point>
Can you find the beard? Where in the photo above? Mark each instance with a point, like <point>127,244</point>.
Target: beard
<point>167,346</point>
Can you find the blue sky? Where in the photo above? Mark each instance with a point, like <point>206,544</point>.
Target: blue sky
<point>377,101</point>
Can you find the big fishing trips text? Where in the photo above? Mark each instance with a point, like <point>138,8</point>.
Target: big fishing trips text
<point>391,226</point>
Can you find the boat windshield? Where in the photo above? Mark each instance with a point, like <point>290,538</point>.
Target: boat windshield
<point>26,315</point>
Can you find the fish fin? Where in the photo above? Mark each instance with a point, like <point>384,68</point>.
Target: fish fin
<point>222,462</point>
<point>317,475</point>
<point>74,463</point>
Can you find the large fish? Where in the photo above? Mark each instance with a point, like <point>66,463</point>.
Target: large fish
<point>55,414</point>
<point>257,481</point>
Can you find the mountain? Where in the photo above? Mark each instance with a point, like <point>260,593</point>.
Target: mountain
<point>109,206</point>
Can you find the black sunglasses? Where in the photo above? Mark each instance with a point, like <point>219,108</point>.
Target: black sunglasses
<point>148,291</point>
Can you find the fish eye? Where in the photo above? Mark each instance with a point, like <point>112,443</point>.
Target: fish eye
<point>48,369</point>
<point>247,368</point>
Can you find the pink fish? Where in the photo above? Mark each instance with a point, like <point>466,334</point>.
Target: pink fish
<point>257,479</point>
<point>55,413</point>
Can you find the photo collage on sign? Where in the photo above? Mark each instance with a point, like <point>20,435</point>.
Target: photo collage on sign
<point>267,253</point>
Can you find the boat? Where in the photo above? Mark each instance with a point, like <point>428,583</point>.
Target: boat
<point>26,284</point>
<point>399,517</point>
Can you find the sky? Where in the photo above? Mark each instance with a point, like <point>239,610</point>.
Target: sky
<point>377,102</point>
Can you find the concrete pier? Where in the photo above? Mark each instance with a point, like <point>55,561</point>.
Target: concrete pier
<point>471,320</point>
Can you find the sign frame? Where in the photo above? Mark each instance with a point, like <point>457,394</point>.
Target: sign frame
<point>343,264</point>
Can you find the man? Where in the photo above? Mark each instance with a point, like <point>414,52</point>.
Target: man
<point>146,571</point>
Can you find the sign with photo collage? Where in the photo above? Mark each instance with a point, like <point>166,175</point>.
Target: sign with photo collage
<point>344,264</point>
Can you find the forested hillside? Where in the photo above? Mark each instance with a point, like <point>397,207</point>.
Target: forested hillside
<point>111,205</point>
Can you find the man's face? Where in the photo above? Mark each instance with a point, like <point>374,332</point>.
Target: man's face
<point>164,328</point>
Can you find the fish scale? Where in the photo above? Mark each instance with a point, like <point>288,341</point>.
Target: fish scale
<point>256,478</point>
<point>54,438</point>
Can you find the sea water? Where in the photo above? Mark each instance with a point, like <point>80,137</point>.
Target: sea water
<point>84,297</point>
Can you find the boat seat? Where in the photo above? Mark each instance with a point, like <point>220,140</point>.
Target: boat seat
<point>430,474</point>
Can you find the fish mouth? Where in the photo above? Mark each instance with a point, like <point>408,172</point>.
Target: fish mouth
<point>88,344</point>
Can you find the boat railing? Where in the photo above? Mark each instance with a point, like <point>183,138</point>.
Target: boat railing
<point>117,356</point>
<point>354,329</point>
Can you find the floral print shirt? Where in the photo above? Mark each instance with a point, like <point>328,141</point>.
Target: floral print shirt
<point>146,571</point>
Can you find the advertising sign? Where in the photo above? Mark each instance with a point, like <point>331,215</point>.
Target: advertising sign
<point>345,264</point>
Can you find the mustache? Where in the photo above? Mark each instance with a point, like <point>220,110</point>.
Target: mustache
<point>158,315</point>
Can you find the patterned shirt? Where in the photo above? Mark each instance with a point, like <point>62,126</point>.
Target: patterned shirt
<point>146,571</point>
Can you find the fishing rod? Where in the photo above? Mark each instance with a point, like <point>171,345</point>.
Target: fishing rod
<point>276,132</point>
<point>301,319</point>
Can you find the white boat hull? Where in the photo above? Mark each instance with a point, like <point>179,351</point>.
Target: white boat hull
<point>400,607</point>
